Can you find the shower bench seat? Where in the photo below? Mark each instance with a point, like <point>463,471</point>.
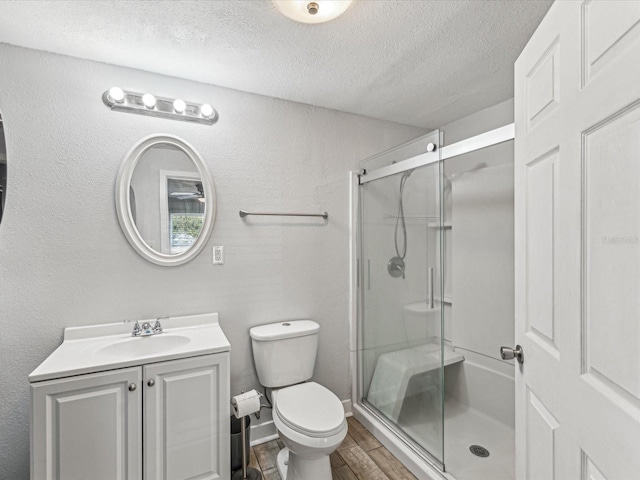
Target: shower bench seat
<point>394,370</point>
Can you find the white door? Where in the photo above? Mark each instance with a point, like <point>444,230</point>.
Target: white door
<point>187,419</point>
<point>577,94</point>
<point>87,427</point>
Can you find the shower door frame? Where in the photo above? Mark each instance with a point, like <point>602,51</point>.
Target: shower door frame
<point>417,459</point>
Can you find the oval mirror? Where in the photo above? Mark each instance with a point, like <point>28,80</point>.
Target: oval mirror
<point>3,168</point>
<point>165,200</point>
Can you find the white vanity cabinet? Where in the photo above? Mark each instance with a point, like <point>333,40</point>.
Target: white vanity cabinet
<point>133,415</point>
<point>165,420</point>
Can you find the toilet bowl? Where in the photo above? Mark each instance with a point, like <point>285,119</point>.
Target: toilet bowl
<point>309,417</point>
<point>311,423</point>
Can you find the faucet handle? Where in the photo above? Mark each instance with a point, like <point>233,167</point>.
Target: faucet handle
<point>157,327</point>
<point>137,331</point>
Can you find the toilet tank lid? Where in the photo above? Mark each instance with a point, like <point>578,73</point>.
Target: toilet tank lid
<point>286,329</point>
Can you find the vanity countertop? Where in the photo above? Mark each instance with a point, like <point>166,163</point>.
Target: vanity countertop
<point>97,348</point>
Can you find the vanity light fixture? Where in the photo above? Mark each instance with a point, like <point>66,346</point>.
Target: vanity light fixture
<point>312,11</point>
<point>147,104</point>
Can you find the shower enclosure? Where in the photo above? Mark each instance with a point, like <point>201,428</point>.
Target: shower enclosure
<point>435,302</point>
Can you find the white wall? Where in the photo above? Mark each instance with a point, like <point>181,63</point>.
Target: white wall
<point>65,262</point>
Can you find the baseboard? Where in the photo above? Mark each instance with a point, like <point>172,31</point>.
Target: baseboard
<point>346,404</point>
<point>265,432</point>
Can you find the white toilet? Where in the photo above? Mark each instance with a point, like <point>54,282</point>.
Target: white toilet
<point>309,418</point>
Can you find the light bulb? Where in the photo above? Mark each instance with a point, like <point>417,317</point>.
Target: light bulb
<point>179,106</point>
<point>149,100</point>
<point>116,95</point>
<point>206,110</point>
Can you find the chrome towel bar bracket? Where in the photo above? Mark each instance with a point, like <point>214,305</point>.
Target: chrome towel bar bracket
<point>325,215</point>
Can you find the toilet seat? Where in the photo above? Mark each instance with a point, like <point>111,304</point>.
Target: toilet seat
<point>310,409</point>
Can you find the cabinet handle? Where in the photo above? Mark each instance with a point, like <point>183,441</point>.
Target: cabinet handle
<point>132,387</point>
<point>151,382</point>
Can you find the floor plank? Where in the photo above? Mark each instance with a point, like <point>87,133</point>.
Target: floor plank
<point>343,473</point>
<point>266,454</point>
<point>253,460</point>
<point>348,442</point>
<point>271,474</point>
<point>390,465</point>
<point>336,460</point>
<point>361,464</point>
<point>362,436</point>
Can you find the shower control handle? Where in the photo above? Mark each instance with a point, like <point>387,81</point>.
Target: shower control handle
<point>510,353</point>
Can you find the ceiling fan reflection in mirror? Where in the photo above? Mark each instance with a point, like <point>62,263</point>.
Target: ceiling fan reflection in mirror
<point>198,195</point>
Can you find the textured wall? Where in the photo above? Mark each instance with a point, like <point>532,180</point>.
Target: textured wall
<point>65,262</point>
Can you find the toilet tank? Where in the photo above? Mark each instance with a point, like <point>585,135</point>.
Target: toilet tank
<point>284,353</point>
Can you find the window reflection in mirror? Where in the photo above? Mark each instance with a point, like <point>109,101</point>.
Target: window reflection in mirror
<point>3,168</point>
<point>166,199</point>
<point>186,213</point>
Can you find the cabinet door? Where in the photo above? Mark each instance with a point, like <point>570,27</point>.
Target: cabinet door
<point>187,419</point>
<point>87,427</point>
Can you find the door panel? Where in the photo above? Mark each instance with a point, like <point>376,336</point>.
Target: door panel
<point>577,93</point>
<point>541,210</point>
<point>612,252</point>
<point>87,427</point>
<point>541,426</point>
<point>187,418</point>
<point>608,28</point>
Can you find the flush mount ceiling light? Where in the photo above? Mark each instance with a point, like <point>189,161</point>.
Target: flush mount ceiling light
<point>312,11</point>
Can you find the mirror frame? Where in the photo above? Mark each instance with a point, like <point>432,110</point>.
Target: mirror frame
<point>123,205</point>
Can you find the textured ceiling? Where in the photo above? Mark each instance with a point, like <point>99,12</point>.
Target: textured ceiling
<point>422,63</point>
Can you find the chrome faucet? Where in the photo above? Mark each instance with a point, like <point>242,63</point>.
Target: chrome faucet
<point>146,329</point>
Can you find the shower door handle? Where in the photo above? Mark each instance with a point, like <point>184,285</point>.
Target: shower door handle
<point>510,353</point>
<point>431,303</point>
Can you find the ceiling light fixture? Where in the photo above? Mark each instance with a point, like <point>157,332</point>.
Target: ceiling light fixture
<point>147,104</point>
<point>316,11</point>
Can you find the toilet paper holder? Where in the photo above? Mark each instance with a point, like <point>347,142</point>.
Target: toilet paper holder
<point>262,405</point>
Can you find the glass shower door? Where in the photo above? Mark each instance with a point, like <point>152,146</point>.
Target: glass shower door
<point>401,355</point>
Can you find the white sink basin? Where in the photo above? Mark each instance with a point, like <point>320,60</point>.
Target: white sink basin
<point>144,346</point>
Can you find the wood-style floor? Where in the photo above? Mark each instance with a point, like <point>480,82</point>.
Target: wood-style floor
<point>360,457</point>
